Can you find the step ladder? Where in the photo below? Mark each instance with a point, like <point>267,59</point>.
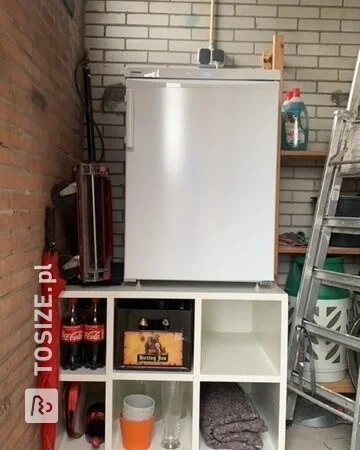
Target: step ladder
<point>341,162</point>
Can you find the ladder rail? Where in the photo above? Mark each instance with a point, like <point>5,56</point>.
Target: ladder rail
<point>351,342</point>
<point>337,279</point>
<point>338,146</point>
<point>355,435</point>
<point>322,404</point>
<point>340,163</point>
<point>321,391</point>
<point>309,288</point>
<point>353,107</point>
<point>347,225</point>
<point>320,237</point>
<point>316,253</point>
<point>354,96</point>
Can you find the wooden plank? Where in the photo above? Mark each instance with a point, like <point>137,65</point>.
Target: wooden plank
<point>266,59</point>
<point>278,64</point>
<point>278,53</point>
<point>344,386</point>
<point>274,59</point>
<point>285,250</point>
<point>315,154</point>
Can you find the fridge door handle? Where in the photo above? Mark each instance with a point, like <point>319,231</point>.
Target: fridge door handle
<point>129,138</point>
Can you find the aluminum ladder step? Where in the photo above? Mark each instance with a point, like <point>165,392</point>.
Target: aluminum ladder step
<point>347,340</point>
<point>323,392</point>
<point>342,162</point>
<point>337,279</point>
<point>347,225</point>
<point>346,407</point>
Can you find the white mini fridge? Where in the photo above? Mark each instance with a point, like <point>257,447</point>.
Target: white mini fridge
<point>201,174</point>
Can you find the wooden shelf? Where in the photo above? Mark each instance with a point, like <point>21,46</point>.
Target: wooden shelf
<point>284,250</point>
<point>344,386</point>
<point>312,154</point>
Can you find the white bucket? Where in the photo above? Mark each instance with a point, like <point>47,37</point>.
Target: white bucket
<point>138,407</point>
<point>330,358</point>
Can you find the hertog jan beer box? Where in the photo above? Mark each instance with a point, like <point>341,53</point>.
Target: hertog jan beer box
<point>153,334</point>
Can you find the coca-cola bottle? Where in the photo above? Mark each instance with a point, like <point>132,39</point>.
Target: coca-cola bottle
<point>84,308</point>
<point>95,424</point>
<point>72,334</point>
<point>94,338</point>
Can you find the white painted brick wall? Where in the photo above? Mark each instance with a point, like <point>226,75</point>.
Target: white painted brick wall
<point>128,32</point>
<point>297,11</point>
<point>147,19</point>
<point>94,30</point>
<point>106,43</point>
<point>321,42</point>
<point>170,8</point>
<point>126,6</point>
<point>105,18</point>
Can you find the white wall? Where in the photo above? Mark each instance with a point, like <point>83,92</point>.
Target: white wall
<point>322,38</point>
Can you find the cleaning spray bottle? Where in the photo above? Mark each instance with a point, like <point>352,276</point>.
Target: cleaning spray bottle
<point>295,123</point>
<point>288,97</point>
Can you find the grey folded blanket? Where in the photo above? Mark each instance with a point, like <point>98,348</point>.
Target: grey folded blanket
<point>228,419</point>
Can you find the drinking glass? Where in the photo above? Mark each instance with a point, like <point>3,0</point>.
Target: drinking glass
<point>172,398</point>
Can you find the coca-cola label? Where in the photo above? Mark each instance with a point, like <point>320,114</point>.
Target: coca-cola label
<point>72,334</point>
<point>94,333</point>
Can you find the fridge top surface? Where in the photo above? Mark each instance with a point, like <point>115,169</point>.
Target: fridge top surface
<point>181,73</point>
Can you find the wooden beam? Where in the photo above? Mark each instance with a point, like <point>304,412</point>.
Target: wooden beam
<point>278,53</point>
<point>266,60</point>
<point>274,59</point>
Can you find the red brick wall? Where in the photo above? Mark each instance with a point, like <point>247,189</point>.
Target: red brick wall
<point>40,138</point>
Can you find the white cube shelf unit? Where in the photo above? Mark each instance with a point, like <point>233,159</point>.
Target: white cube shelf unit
<point>240,335</point>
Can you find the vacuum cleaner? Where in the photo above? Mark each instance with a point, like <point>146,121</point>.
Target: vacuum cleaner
<point>86,204</point>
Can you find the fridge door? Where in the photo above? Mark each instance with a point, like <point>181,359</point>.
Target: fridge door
<point>201,175</point>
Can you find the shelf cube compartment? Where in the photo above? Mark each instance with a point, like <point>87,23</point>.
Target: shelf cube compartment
<point>83,311</point>
<point>153,334</point>
<point>242,340</point>
<point>152,388</point>
<point>94,392</point>
<point>266,398</point>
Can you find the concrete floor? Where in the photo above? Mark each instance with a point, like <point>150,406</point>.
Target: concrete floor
<point>305,438</point>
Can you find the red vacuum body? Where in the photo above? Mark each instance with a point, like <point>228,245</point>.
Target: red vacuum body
<point>94,221</point>
<point>88,200</point>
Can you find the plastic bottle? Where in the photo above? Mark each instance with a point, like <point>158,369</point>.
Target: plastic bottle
<point>95,424</point>
<point>286,101</point>
<point>72,335</point>
<point>295,123</point>
<point>288,97</point>
<point>94,338</point>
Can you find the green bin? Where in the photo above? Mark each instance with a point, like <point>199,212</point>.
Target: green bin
<point>335,264</point>
<point>332,311</point>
